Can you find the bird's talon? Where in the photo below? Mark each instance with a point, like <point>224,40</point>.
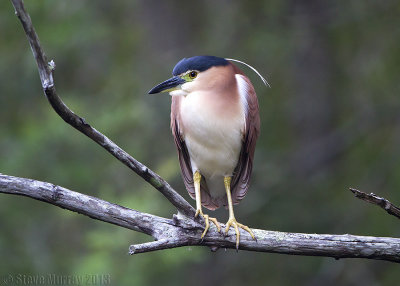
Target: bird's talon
<point>216,223</point>
<point>206,220</point>
<point>236,225</point>
<point>246,228</point>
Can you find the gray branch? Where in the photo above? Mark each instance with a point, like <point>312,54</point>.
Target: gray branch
<point>79,123</point>
<point>182,229</point>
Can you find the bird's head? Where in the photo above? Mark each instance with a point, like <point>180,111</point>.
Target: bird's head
<point>196,73</point>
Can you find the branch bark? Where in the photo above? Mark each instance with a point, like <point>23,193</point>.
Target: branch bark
<point>182,229</point>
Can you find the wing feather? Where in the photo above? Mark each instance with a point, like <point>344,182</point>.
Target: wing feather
<point>251,131</point>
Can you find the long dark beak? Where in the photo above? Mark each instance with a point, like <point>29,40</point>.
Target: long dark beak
<point>167,85</point>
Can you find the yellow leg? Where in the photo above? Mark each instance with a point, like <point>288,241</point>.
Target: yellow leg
<point>197,179</point>
<point>232,221</point>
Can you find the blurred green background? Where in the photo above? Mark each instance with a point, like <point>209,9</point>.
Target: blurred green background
<point>330,121</point>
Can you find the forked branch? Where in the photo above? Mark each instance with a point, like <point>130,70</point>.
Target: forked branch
<point>182,229</point>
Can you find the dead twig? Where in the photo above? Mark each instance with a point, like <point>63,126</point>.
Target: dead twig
<point>379,201</point>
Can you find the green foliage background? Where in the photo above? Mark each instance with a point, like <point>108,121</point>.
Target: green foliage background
<point>329,121</point>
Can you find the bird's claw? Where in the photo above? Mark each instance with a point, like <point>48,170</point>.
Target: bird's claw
<point>236,225</point>
<point>207,219</point>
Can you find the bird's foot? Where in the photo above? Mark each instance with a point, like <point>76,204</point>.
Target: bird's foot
<point>232,222</point>
<point>207,219</point>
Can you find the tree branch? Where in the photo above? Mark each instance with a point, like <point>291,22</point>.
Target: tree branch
<point>80,203</point>
<point>182,231</point>
<point>379,201</point>
<point>79,123</point>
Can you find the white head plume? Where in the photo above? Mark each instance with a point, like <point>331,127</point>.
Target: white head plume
<point>262,78</point>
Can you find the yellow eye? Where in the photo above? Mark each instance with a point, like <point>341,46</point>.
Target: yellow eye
<point>193,74</point>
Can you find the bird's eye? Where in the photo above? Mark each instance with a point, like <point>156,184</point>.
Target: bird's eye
<point>193,74</point>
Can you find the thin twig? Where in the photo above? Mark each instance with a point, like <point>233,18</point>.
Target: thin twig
<point>379,201</point>
<point>181,231</point>
<point>46,77</point>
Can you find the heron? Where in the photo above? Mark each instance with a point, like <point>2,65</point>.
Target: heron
<point>215,124</point>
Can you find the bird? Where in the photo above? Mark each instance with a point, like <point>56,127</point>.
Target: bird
<point>215,123</point>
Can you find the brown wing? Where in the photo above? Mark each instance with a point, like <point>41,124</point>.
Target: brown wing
<point>184,158</point>
<point>242,173</point>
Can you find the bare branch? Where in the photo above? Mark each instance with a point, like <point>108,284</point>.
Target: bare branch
<point>182,231</point>
<point>327,245</point>
<point>80,203</point>
<point>379,201</point>
<point>80,124</point>
<point>152,246</point>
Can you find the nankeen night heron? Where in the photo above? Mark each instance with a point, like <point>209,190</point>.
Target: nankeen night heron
<point>215,124</point>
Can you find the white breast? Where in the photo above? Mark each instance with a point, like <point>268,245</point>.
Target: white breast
<point>213,134</point>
